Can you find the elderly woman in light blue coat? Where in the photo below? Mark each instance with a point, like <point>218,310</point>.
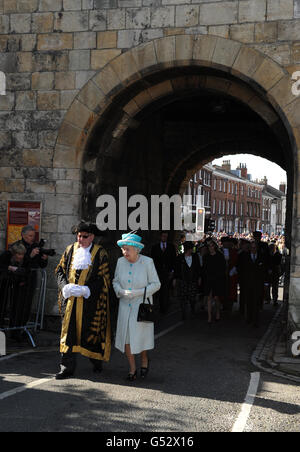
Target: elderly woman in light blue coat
<point>133,273</point>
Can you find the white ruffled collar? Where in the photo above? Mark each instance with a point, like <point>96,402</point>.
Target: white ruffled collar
<point>82,258</point>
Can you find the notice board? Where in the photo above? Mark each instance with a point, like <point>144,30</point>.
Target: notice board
<point>20,214</point>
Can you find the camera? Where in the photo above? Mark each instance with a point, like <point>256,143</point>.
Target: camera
<point>47,252</point>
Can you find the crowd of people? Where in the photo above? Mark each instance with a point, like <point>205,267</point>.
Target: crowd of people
<point>211,269</point>
<point>214,268</point>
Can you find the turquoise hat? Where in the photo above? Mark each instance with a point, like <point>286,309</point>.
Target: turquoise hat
<point>131,239</point>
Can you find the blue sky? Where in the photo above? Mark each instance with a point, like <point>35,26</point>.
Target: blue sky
<point>257,167</point>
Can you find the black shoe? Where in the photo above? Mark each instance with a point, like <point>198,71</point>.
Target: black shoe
<point>63,374</point>
<point>97,368</point>
<point>145,371</point>
<point>131,376</point>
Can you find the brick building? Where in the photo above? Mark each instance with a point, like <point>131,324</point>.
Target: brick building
<point>236,202</point>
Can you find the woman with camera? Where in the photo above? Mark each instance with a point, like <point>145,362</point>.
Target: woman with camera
<point>133,274</point>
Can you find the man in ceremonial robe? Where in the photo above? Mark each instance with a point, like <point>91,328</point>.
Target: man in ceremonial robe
<point>83,281</point>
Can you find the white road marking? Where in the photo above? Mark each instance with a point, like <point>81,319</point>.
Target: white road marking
<point>26,352</point>
<point>14,355</point>
<point>15,391</point>
<point>242,419</point>
<point>168,330</point>
<point>41,381</point>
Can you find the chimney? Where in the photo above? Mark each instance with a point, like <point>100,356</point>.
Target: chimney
<point>226,165</point>
<point>243,169</point>
<point>282,187</point>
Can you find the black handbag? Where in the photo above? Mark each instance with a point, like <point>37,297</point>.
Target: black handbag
<point>146,311</point>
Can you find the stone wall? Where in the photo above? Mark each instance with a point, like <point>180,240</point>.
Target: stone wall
<point>51,48</point>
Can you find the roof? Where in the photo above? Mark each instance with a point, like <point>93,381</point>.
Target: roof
<point>273,192</point>
<point>232,175</point>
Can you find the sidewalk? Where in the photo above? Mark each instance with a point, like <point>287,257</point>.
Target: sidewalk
<point>271,354</point>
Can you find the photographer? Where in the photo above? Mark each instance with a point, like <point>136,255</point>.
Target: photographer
<point>33,256</point>
<point>34,259</point>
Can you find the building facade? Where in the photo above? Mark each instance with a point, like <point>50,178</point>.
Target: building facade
<point>274,208</point>
<point>236,203</point>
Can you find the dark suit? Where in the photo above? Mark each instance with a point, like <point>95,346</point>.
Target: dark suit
<point>165,262</point>
<point>188,277</point>
<point>263,249</point>
<point>254,277</point>
<point>242,278</point>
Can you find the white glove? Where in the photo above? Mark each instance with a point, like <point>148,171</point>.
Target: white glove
<point>86,293</point>
<point>74,290</point>
<point>132,293</point>
<point>128,294</point>
<point>80,291</point>
<point>66,291</point>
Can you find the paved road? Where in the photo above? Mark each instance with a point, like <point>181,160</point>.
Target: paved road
<point>199,380</point>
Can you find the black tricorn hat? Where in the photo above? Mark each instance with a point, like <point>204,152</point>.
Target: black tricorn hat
<point>86,226</point>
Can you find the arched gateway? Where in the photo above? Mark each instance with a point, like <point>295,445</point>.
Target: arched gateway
<point>153,113</point>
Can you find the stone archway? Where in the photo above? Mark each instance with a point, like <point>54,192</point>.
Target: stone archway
<point>133,82</point>
<point>245,63</point>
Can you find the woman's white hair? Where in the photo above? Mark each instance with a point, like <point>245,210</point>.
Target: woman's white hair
<point>138,250</point>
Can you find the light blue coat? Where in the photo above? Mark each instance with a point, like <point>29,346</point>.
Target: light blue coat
<point>133,278</point>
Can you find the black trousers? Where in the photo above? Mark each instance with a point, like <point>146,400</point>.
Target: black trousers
<point>69,360</point>
<point>163,294</point>
<point>253,302</point>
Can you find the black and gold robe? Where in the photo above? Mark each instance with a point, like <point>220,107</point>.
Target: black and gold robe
<point>86,322</point>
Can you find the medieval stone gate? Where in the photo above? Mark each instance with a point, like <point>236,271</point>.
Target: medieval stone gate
<point>107,93</point>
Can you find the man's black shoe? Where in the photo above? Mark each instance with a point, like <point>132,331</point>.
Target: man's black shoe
<point>63,374</point>
<point>97,368</point>
<point>97,365</point>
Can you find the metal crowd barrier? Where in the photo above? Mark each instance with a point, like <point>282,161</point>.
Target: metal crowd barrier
<point>38,323</point>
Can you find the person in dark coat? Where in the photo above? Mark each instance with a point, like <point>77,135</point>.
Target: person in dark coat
<point>231,259</point>
<point>255,274</point>
<point>242,273</point>
<point>214,274</point>
<point>14,287</point>
<point>202,252</point>
<point>263,249</point>
<point>275,258</point>
<point>164,257</point>
<point>33,257</point>
<point>188,274</point>
<point>33,260</point>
